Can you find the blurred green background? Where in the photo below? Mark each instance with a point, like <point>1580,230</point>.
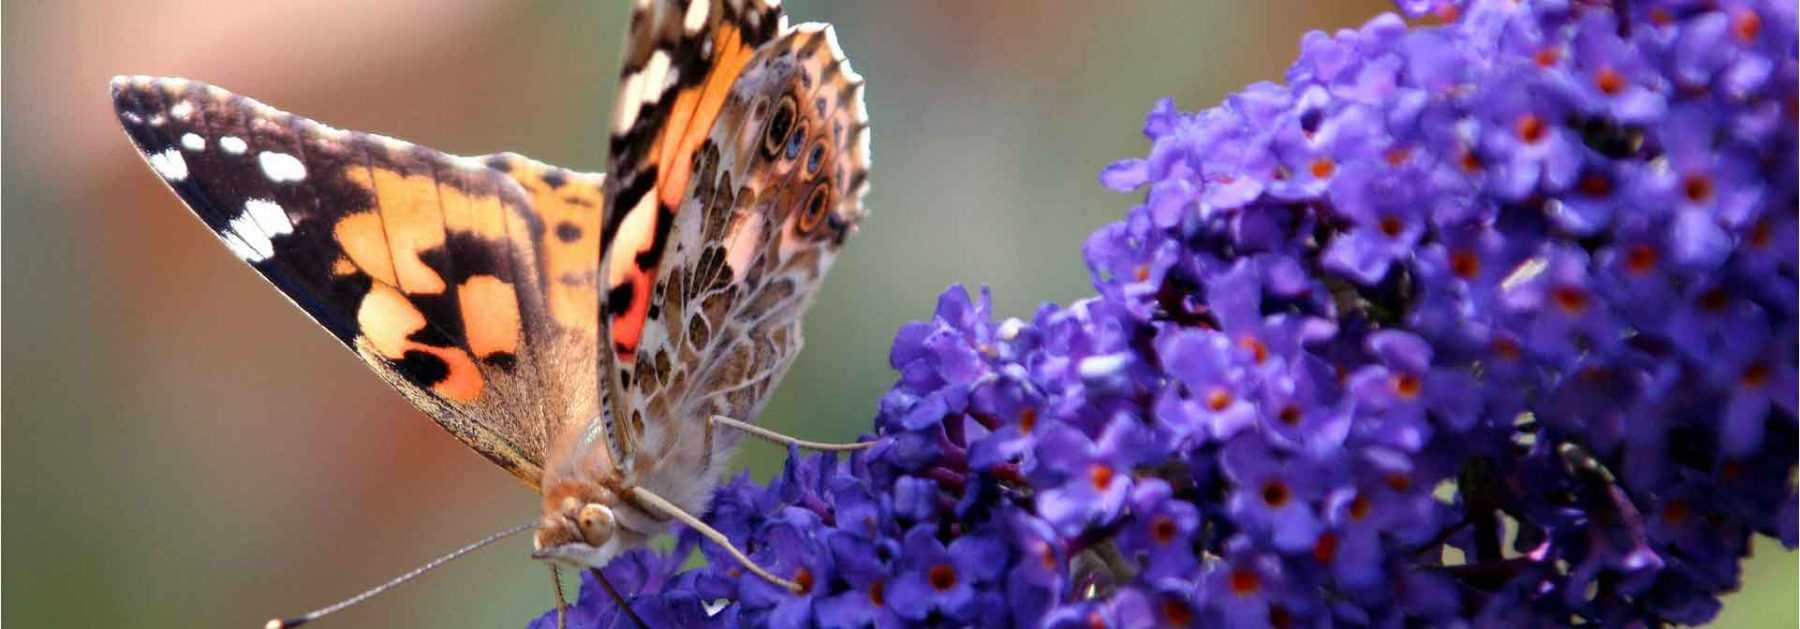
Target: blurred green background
<point>184,448</point>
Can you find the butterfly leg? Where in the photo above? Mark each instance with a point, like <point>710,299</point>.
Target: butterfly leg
<point>661,505</point>
<point>781,439</point>
<point>562,604</point>
<point>617,599</point>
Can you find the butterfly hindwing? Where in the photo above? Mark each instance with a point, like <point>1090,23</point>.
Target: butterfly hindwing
<point>724,232</point>
<point>466,283</point>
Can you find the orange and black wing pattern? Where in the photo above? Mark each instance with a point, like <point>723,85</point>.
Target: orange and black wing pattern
<point>468,283</point>
<point>681,60</point>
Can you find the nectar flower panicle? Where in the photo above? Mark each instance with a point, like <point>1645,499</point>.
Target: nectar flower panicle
<point>1528,270</point>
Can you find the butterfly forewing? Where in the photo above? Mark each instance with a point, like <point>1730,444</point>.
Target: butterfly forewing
<point>466,283</point>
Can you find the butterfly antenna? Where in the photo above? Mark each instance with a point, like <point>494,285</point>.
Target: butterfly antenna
<point>781,439</point>
<point>280,623</point>
<point>649,498</point>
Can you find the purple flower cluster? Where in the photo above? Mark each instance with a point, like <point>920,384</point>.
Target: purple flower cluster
<point>1488,322</point>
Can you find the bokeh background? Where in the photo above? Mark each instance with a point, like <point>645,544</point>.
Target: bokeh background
<point>184,448</point>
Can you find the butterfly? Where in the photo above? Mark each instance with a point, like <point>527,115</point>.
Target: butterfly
<point>585,332</point>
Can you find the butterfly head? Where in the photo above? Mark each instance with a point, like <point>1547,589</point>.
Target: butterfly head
<point>582,527</point>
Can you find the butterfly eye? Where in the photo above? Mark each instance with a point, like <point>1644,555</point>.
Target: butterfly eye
<point>817,206</point>
<point>796,140</point>
<point>815,157</point>
<point>596,523</point>
<point>781,124</point>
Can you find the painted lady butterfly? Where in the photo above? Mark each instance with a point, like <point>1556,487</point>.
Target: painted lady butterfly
<point>583,331</point>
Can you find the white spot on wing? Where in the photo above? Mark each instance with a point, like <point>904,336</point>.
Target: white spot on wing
<point>637,90</point>
<point>170,165</point>
<point>192,141</point>
<point>696,15</point>
<point>240,249</point>
<point>255,245</point>
<point>254,229</point>
<point>233,145</point>
<point>281,167</point>
<point>182,110</point>
<point>655,73</point>
<point>268,216</point>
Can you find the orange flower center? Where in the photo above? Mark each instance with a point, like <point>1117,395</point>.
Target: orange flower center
<point>1392,226</point>
<point>1755,376</point>
<point>1697,188</point>
<point>1397,155</point>
<point>1407,386</point>
<point>1258,351</point>
<point>1322,168</point>
<point>1245,582</point>
<point>1571,299</point>
<point>1609,81</point>
<point>878,593</point>
<point>1177,613</point>
<point>1506,348</point>
<point>1218,400</point>
<point>1640,258</point>
<point>1595,185</point>
<point>1163,529</point>
<point>1546,57</point>
<point>1746,25</point>
<point>1469,161</point>
<point>804,579</point>
<point>1325,549</point>
<point>1530,128</point>
<point>1275,493</point>
<point>1101,476</point>
<point>942,577</point>
<point>1398,482</point>
<point>1464,264</point>
<point>1714,301</point>
<point>1761,234</point>
<point>1676,511</point>
<point>1289,415</point>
